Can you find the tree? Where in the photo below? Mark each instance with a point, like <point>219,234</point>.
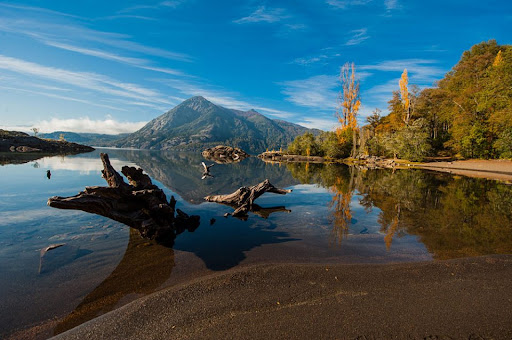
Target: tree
<point>305,145</point>
<point>410,142</point>
<point>404,92</point>
<point>348,103</point>
<point>374,119</point>
<point>36,131</point>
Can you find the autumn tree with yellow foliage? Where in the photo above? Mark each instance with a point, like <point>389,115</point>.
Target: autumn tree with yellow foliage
<point>348,104</point>
<point>404,92</point>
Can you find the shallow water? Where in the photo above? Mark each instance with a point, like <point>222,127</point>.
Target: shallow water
<point>334,214</point>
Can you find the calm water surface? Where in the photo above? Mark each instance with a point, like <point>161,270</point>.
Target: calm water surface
<point>335,214</point>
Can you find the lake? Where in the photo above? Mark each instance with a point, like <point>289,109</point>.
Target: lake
<point>335,214</point>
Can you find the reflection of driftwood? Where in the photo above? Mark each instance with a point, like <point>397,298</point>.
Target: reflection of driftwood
<point>140,204</point>
<point>143,269</point>
<point>225,154</point>
<point>206,170</point>
<point>243,198</point>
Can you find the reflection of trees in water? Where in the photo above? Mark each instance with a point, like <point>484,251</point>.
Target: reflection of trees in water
<point>340,180</point>
<point>452,216</point>
<point>340,209</point>
<point>144,267</point>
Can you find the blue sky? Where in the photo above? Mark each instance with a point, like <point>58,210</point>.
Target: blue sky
<point>112,66</point>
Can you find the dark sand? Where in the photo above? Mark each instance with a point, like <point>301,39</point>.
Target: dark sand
<point>490,169</point>
<point>462,299</point>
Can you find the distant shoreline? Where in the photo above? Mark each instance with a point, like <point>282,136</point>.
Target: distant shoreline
<point>480,168</point>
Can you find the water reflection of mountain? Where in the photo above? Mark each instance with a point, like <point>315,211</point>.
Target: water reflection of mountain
<point>452,216</point>
<point>181,172</point>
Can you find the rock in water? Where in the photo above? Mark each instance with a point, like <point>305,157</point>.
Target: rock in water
<point>225,154</point>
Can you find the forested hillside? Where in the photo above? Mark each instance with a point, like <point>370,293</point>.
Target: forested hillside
<point>468,113</point>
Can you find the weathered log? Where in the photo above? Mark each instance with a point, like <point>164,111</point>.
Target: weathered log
<point>243,199</point>
<point>140,204</point>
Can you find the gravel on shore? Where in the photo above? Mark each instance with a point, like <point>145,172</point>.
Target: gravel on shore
<point>490,169</point>
<point>467,298</point>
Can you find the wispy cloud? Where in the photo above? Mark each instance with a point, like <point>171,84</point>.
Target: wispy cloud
<point>391,4</point>
<point>322,58</point>
<point>319,123</point>
<point>87,80</point>
<point>84,124</point>
<point>127,16</point>
<point>164,4</point>
<point>52,28</point>
<point>343,4</point>
<point>136,62</point>
<point>315,92</point>
<point>224,98</point>
<point>95,53</point>
<point>61,97</point>
<point>263,14</point>
<point>358,36</point>
<point>420,70</point>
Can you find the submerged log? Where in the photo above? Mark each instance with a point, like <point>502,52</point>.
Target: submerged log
<point>139,204</point>
<point>243,199</point>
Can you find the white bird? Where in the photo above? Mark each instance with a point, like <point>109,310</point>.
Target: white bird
<point>206,171</point>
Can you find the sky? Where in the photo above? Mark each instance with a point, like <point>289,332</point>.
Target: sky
<point>112,66</point>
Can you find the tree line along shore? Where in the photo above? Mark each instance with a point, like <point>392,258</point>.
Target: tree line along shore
<point>466,115</point>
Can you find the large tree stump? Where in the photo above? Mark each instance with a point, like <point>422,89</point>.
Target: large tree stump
<point>140,204</point>
<point>243,199</point>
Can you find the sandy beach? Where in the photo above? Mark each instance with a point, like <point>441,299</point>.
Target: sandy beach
<point>456,299</point>
<point>490,169</point>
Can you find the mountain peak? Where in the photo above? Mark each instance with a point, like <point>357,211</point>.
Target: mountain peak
<point>198,123</point>
<point>197,99</point>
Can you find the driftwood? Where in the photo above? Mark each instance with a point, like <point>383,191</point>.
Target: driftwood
<point>243,199</point>
<point>206,170</point>
<point>139,204</point>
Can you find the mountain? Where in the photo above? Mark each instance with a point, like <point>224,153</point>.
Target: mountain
<point>197,124</point>
<point>92,139</point>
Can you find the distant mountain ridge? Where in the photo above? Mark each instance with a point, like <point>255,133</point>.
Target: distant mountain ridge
<point>197,123</point>
<point>92,139</point>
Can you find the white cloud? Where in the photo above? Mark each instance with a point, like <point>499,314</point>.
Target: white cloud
<point>358,37</point>
<point>343,4</point>
<point>50,29</point>
<point>319,123</point>
<point>223,98</point>
<point>420,70</point>
<point>262,14</point>
<point>391,4</point>
<point>85,124</point>
<point>87,80</point>
<point>62,97</point>
<point>95,53</point>
<point>314,92</point>
<point>306,61</point>
<point>136,62</point>
<point>164,4</point>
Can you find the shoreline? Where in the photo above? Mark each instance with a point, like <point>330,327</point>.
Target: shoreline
<point>462,298</point>
<point>493,169</point>
<point>489,169</point>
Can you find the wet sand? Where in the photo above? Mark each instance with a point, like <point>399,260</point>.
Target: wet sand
<point>490,169</point>
<point>462,299</point>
